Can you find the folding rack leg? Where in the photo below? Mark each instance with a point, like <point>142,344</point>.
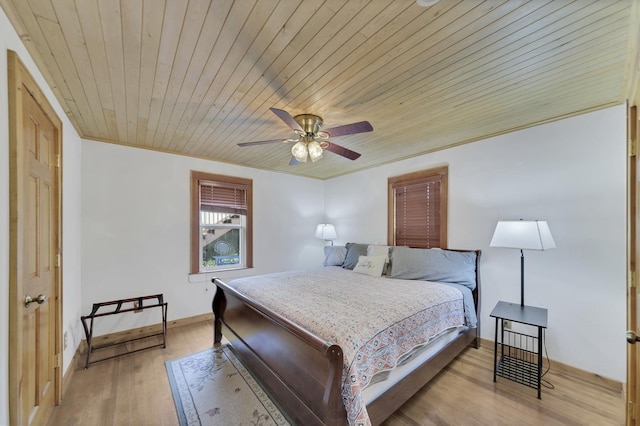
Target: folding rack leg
<point>88,332</point>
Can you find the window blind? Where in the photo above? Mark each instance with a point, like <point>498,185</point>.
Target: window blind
<point>417,212</point>
<point>223,198</point>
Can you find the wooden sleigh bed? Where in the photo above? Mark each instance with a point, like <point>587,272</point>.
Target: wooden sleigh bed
<point>303,372</point>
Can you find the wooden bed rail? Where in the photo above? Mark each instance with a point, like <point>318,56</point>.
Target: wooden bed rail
<point>303,370</point>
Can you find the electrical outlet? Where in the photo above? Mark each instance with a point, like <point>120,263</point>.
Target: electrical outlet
<point>66,340</point>
<point>506,324</point>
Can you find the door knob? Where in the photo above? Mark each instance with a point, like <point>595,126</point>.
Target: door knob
<point>632,337</point>
<point>40,299</point>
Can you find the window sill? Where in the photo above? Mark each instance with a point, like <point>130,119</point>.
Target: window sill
<point>202,277</point>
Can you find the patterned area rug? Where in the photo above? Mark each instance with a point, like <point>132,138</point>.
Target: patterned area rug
<point>212,387</point>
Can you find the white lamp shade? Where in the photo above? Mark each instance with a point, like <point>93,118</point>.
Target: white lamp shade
<point>523,234</point>
<point>325,231</point>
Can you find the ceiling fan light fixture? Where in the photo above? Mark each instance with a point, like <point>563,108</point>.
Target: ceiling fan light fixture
<point>300,151</point>
<point>311,142</point>
<point>315,151</point>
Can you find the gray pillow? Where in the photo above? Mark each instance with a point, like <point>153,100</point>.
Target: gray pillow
<point>354,251</point>
<point>334,255</point>
<point>434,265</point>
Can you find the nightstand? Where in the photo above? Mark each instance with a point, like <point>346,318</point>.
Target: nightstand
<point>520,355</point>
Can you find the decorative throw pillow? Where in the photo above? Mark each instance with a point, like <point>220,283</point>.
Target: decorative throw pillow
<point>334,255</point>
<point>354,251</point>
<point>370,265</point>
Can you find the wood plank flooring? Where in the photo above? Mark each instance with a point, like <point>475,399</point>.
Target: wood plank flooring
<point>134,390</point>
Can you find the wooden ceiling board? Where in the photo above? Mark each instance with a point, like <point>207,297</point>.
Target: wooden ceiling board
<point>264,76</point>
<point>224,60</point>
<point>245,72</point>
<point>455,63</point>
<point>197,77</point>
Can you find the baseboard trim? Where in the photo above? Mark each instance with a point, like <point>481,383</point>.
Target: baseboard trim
<point>124,335</point>
<point>68,375</point>
<point>79,357</point>
<point>592,378</point>
<point>80,354</point>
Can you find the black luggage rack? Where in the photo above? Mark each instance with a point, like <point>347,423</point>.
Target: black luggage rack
<point>134,304</point>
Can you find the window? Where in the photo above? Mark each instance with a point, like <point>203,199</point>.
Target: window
<point>418,209</point>
<point>221,222</point>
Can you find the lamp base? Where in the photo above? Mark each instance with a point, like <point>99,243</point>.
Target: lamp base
<point>521,278</point>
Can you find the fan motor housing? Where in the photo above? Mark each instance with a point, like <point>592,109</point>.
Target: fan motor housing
<point>310,123</point>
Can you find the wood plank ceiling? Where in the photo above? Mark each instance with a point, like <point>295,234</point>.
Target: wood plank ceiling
<point>197,77</point>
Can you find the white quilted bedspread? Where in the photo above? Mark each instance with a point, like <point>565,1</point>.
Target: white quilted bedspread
<point>374,319</point>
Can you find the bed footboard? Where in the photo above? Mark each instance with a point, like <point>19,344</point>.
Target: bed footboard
<point>304,371</point>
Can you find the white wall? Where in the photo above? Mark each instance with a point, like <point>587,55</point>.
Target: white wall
<point>135,221</point>
<point>70,213</point>
<point>71,244</point>
<point>571,173</point>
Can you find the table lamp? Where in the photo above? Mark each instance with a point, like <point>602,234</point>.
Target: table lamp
<point>326,232</point>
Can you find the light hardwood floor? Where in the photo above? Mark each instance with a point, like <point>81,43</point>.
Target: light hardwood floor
<point>134,390</point>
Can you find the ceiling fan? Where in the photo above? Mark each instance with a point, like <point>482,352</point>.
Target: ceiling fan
<point>311,140</point>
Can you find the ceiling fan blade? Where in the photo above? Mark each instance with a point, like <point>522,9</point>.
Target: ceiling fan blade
<point>340,150</point>
<point>293,161</point>
<point>349,129</point>
<point>263,142</point>
<point>287,118</point>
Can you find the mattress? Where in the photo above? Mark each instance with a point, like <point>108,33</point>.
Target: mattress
<point>384,380</point>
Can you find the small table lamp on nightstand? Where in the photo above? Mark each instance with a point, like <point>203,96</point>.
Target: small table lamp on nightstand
<point>523,235</point>
<point>327,232</point>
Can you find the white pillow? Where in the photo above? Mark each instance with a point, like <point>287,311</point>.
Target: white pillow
<point>378,250</point>
<point>370,265</point>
